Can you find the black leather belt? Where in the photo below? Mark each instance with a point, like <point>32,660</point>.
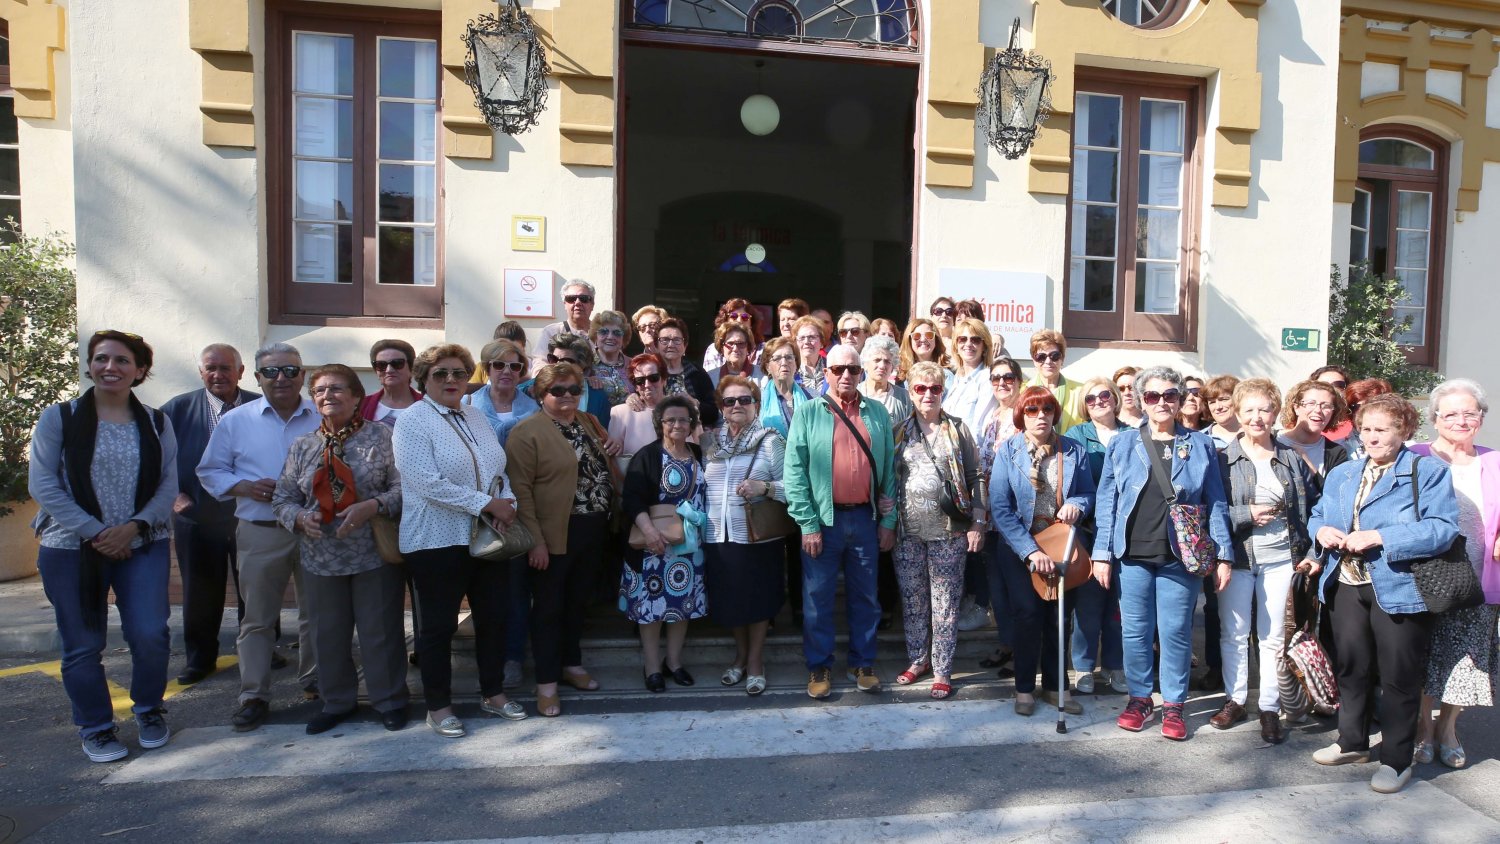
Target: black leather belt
<point>864,505</point>
<point>266,523</point>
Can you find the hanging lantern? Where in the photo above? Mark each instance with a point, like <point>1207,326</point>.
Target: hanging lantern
<point>1013,98</point>
<point>507,68</point>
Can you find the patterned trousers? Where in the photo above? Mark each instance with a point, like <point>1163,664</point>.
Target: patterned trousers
<point>931,575</point>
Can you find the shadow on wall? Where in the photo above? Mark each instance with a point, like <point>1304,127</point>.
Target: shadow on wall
<point>1255,352</point>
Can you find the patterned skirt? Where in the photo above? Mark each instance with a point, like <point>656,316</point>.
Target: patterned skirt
<point>1463,666</point>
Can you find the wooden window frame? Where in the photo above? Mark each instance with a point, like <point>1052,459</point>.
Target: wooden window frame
<point>1123,328</point>
<point>360,303</point>
<point>8,92</point>
<point>1434,181</point>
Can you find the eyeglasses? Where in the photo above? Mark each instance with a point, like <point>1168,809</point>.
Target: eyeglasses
<point>1171,396</point>
<point>947,312</point>
<point>968,341</point>
<point>923,337</point>
<point>449,375</point>
<point>561,359</point>
<point>1009,377</point>
<point>840,369</point>
<point>647,327</point>
<point>924,389</point>
<point>736,344</point>
<point>1043,357</point>
<point>804,339</point>
<point>740,401</point>
<point>851,332</point>
<point>1457,415</point>
<point>1315,405</point>
<point>675,421</point>
<point>512,365</point>
<point>330,390</point>
<point>271,372</point>
<point>571,390</point>
<point>579,297</point>
<point>382,365</point>
<point>738,316</point>
<point>643,380</point>
<point>1032,411</point>
<point>783,358</point>
<point>669,341</point>
<point>610,332</point>
<point>1102,397</point>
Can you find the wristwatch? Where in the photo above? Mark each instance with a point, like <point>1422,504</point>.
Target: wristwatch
<point>142,526</point>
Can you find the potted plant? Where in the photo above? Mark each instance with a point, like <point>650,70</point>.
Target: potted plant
<point>38,368</point>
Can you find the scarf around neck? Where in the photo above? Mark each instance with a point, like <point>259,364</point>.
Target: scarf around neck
<point>333,480</point>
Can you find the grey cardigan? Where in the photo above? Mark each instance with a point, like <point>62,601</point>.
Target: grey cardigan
<point>1299,490</point>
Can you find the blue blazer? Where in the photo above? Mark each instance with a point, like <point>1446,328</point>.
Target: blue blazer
<point>189,413</point>
<point>1088,434</point>
<point>1405,533</point>
<point>1196,479</point>
<point>1013,498</point>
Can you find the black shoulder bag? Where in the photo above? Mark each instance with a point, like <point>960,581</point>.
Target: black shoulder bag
<point>1446,581</point>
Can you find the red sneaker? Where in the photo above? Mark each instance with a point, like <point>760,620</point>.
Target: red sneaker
<point>1138,713</point>
<point>1172,725</point>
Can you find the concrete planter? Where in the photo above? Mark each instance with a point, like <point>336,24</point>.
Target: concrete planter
<point>17,543</point>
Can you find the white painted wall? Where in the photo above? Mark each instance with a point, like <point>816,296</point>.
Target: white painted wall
<point>1470,308</point>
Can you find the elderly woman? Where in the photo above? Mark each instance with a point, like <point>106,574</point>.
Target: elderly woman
<point>937,463</point>
<point>502,402</point>
<point>610,332</point>
<point>969,396</point>
<point>103,471</point>
<point>634,428</point>
<point>1097,611</point>
<point>335,481</point>
<point>883,327</point>
<point>1130,414</point>
<point>576,350</point>
<point>781,393</point>
<point>392,361</point>
<point>1218,397</point>
<point>1048,350</point>
<point>1311,408</point>
<point>1463,668</point>
<point>1377,515</point>
<point>1147,472</point>
<point>453,472</point>
<point>1354,395</point>
<point>787,314</point>
<point>1041,478</point>
<point>811,336</point>
<point>743,464</point>
<point>735,343</point>
<point>1000,426</point>
<point>744,313</point>
<point>646,321</point>
<point>880,358</point>
<point>564,487</point>
<point>853,329</point>
<point>922,342</point>
<point>662,583</point>
<point>681,376</point>
<point>1271,492</point>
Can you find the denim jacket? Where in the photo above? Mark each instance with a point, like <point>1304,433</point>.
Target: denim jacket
<point>1405,534</point>
<point>1013,498</point>
<point>1298,494</point>
<point>1127,470</point>
<point>1088,434</point>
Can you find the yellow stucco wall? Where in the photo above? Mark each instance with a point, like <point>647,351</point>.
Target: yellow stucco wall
<point>37,30</point>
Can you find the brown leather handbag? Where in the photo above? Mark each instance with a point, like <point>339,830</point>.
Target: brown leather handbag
<point>666,521</point>
<point>1053,540</point>
<point>766,518</point>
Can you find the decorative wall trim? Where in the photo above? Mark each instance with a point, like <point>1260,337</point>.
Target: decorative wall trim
<point>955,58</point>
<point>465,134</point>
<point>581,39</point>
<point>219,32</point>
<point>37,30</point>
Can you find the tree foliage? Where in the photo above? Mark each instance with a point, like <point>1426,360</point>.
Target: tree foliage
<point>1362,327</point>
<point>38,346</point>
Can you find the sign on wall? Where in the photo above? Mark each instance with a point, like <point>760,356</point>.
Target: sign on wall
<point>528,293</point>
<point>528,233</point>
<point>1015,304</point>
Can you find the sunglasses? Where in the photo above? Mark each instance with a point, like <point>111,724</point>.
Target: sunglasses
<point>611,332</point>
<point>948,312</point>
<point>840,369</point>
<point>1098,398</point>
<point>578,297</point>
<point>1043,357</point>
<point>924,389</point>
<point>923,337</point>
<point>969,341</point>
<point>851,332</point>
<point>449,375</point>
<point>382,365</point>
<point>1032,411</point>
<point>558,392</point>
<point>1193,391</point>
<point>1004,376</point>
<point>736,344</point>
<point>738,401</point>
<point>1338,384</point>
<point>647,327</point>
<point>1168,397</point>
<point>643,380</point>
<point>513,366</point>
<point>738,316</point>
<point>561,359</point>
<point>270,372</point>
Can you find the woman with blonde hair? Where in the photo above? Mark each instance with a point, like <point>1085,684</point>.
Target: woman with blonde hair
<point>1097,609</point>
<point>921,341</point>
<point>646,322</point>
<point>1048,351</point>
<point>968,395</point>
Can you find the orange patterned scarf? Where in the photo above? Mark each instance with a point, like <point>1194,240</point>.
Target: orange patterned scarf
<point>333,480</point>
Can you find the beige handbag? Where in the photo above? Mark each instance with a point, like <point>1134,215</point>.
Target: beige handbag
<point>667,523</point>
<point>486,540</point>
<point>387,539</point>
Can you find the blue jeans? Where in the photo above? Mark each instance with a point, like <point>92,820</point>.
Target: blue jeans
<point>1098,615</point>
<point>996,552</point>
<point>1157,602</point>
<point>140,586</point>
<point>850,545</point>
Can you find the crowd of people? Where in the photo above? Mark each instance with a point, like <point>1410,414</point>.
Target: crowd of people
<point>919,466</point>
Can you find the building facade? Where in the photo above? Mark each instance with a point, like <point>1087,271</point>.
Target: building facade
<point>317,173</point>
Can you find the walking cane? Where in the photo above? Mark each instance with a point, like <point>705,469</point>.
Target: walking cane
<point>1062,630</point>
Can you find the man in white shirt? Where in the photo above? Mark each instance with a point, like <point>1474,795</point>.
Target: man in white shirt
<point>243,460</point>
<point>578,302</point>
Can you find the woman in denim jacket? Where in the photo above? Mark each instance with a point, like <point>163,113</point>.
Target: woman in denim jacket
<point>1367,530</point>
<point>1157,592</point>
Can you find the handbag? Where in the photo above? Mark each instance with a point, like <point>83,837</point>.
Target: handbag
<point>1302,654</point>
<point>1445,581</point>
<point>667,522</point>
<point>1053,541</point>
<point>765,517</point>
<point>1189,525</point>
<point>949,502</point>
<point>387,539</point>
<point>487,541</point>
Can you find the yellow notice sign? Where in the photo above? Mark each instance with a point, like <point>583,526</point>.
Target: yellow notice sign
<point>528,233</point>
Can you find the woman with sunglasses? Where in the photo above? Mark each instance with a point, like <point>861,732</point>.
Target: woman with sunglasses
<point>609,331</point>
<point>1041,478</point>
<point>735,342</point>
<point>1000,426</point>
<point>739,311</point>
<point>1218,397</point>
<point>943,312</point>
<point>1193,415</point>
<point>853,329</point>
<point>503,402</point>
<point>1048,351</point>
<point>922,341</point>
<point>968,395</point>
<point>1130,414</point>
<point>564,488</point>
<point>1339,378</point>
<point>634,429</point>
<point>1097,613</point>
<point>392,361</point>
<point>646,321</point>
<point>1312,407</point>
<point>1136,542</point>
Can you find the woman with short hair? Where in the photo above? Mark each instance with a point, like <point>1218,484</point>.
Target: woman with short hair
<point>646,321</point>
<point>681,375</point>
<point>735,343</point>
<point>1124,378</point>
<point>781,392</point>
<point>1097,609</point>
<point>881,358</point>
<point>1194,414</point>
<point>501,401</point>
<point>743,312</point>
<point>1218,397</point>
<point>609,331</point>
<point>811,337</point>
<point>883,327</point>
<point>853,329</point>
<point>943,312</point>
<point>1338,377</point>
<point>1311,408</point>
<point>1354,395</point>
<point>787,314</point>
<point>392,361</point>
<point>1049,350</point>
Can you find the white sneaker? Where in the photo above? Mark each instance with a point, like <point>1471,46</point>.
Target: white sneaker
<point>1117,682</point>
<point>1387,781</point>
<point>973,617</point>
<point>1085,683</point>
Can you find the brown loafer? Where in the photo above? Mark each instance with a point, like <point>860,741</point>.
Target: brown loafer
<point>1227,717</point>
<point>1270,728</point>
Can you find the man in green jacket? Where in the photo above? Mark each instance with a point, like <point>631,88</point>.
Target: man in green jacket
<point>840,479</point>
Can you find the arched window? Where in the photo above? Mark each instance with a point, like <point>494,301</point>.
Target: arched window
<point>775,18</point>
<point>1145,13</point>
<point>883,23</point>
<point>1397,223</point>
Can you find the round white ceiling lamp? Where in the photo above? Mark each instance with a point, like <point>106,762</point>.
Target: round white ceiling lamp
<point>760,114</point>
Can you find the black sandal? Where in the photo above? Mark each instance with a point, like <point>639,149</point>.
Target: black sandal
<point>999,658</point>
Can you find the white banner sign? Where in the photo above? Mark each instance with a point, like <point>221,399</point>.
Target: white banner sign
<point>1015,304</point>
<point>528,293</point>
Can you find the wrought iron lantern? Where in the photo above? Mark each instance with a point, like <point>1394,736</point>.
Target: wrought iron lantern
<point>1013,97</point>
<point>507,68</point>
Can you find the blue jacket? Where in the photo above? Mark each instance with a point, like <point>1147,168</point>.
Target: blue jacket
<point>770,404</point>
<point>1013,498</point>
<point>1088,434</point>
<point>1405,534</point>
<point>1127,470</point>
<point>522,406</point>
<point>189,414</point>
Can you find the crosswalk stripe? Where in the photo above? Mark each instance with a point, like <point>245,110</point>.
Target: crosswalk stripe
<point>1337,811</point>
<point>216,753</point>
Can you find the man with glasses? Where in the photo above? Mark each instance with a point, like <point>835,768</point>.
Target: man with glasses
<point>1048,350</point>
<point>243,461</point>
<point>203,526</point>
<point>839,477</point>
<point>578,303</point>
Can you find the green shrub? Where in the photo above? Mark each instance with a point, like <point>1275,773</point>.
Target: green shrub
<point>1362,327</point>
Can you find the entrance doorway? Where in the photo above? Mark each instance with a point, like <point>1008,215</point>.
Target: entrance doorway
<point>827,195</point>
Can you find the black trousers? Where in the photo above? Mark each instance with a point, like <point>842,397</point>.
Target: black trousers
<point>1211,635</point>
<point>206,559</point>
<point>443,577</point>
<point>1395,646</point>
<point>794,572</point>
<point>1033,624</point>
<point>560,596</point>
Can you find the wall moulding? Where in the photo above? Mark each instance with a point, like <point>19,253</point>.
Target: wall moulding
<point>37,30</point>
<point>955,58</point>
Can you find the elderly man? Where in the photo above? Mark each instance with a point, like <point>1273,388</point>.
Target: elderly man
<point>578,302</point>
<point>243,461</point>
<point>840,479</point>
<point>203,526</point>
